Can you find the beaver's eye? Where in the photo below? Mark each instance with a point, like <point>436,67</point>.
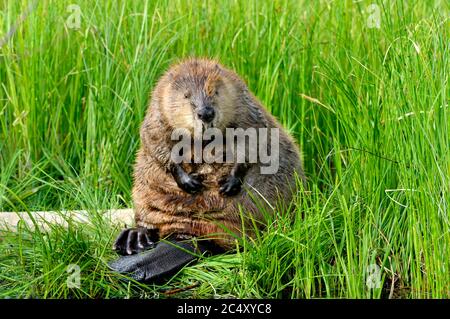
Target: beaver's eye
<point>217,92</point>
<point>187,95</point>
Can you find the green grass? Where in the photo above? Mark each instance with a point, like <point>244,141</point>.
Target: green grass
<point>369,107</point>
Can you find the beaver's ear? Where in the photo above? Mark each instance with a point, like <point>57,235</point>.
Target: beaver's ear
<point>170,75</point>
<point>213,83</point>
<point>172,78</point>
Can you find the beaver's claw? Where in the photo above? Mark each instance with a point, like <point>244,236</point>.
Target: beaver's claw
<point>133,240</point>
<point>191,183</point>
<point>230,186</point>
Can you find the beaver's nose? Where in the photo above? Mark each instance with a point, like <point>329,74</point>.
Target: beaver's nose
<point>206,114</point>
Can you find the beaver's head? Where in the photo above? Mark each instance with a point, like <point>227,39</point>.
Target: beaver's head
<point>200,93</point>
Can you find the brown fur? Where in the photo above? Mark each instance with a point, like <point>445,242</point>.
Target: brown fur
<point>159,202</point>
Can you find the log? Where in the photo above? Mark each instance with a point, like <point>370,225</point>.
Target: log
<point>9,220</point>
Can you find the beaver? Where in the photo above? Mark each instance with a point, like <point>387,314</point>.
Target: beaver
<point>199,199</point>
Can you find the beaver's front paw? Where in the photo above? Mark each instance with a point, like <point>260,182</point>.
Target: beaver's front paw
<point>133,241</point>
<point>230,186</point>
<point>190,183</point>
